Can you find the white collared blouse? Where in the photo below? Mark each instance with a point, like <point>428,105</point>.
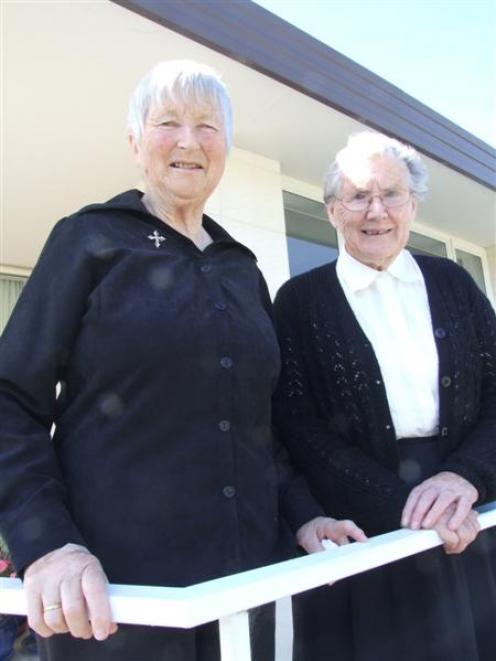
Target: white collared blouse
<point>392,308</point>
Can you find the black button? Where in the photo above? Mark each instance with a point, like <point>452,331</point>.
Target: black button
<point>205,268</point>
<point>444,431</point>
<point>446,381</point>
<point>440,333</point>
<point>224,425</point>
<point>220,305</point>
<point>229,491</point>
<point>226,362</point>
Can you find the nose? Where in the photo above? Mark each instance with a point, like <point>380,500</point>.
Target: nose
<point>186,138</point>
<point>376,207</point>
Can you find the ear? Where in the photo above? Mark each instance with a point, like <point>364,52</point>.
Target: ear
<point>414,207</point>
<point>135,147</point>
<point>330,208</point>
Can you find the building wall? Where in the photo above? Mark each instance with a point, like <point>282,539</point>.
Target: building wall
<point>249,205</point>
<point>491,260</point>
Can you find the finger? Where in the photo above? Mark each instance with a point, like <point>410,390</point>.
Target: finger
<point>53,613</point>
<point>409,506</point>
<point>450,539</point>
<point>94,584</point>
<point>74,605</point>
<point>475,518</point>
<point>424,503</point>
<point>464,539</point>
<point>467,532</point>
<point>443,501</point>
<point>311,543</point>
<point>36,620</point>
<point>351,530</point>
<point>337,530</point>
<point>463,507</point>
<point>472,521</point>
<point>343,540</point>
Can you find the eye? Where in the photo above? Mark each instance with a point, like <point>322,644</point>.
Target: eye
<point>391,194</point>
<point>360,195</point>
<point>169,123</point>
<point>208,127</point>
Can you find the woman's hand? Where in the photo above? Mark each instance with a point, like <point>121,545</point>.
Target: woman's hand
<point>66,592</point>
<point>312,533</point>
<point>428,502</point>
<point>457,541</point>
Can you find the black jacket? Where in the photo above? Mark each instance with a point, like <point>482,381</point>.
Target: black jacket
<point>331,405</point>
<point>162,461</point>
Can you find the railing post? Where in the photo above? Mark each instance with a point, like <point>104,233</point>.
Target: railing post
<point>235,637</point>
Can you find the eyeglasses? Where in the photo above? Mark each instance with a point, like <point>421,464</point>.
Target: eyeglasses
<point>361,200</point>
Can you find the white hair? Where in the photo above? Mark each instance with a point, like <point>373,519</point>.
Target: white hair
<point>364,145</point>
<point>181,81</point>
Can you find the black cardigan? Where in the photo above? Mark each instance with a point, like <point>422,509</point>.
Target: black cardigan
<point>331,405</point>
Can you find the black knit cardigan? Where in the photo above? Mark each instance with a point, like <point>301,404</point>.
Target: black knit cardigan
<point>331,406</point>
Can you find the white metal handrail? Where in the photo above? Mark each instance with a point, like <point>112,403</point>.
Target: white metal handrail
<point>227,599</point>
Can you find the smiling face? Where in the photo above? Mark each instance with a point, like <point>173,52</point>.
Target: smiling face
<point>182,153</point>
<point>376,235</point>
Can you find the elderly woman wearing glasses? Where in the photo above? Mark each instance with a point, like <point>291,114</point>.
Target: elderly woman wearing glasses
<point>387,403</point>
<point>162,468</point>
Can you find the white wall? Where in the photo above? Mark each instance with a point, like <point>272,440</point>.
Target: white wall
<point>249,205</point>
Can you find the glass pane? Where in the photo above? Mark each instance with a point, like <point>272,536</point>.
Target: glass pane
<point>472,264</point>
<point>311,239</point>
<point>418,244</point>
<point>10,288</point>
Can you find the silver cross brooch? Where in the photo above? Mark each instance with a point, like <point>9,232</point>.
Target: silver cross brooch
<point>156,238</point>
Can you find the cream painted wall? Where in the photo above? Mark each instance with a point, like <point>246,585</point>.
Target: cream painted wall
<point>248,203</point>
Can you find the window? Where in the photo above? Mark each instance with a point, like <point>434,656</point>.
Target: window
<point>420,244</point>
<point>473,264</point>
<point>10,288</point>
<point>312,241</point>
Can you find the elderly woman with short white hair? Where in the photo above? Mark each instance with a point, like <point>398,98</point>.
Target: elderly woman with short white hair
<point>162,468</point>
<point>387,404</point>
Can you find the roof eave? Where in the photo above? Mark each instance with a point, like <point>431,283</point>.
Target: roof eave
<point>249,34</point>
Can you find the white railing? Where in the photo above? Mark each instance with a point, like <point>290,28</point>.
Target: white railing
<point>228,599</point>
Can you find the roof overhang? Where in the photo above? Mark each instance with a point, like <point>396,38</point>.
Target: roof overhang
<point>246,32</point>
<point>67,74</point>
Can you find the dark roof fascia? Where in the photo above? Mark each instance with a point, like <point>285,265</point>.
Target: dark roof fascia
<point>246,32</point>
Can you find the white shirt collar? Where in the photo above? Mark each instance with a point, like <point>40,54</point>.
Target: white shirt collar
<point>359,276</point>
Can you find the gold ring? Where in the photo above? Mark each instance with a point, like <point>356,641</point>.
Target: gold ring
<point>52,607</point>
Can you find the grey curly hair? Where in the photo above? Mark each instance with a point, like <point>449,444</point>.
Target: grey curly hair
<point>366,144</point>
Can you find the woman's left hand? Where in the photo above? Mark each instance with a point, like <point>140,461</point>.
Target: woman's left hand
<point>433,497</point>
<point>457,541</point>
<point>312,533</point>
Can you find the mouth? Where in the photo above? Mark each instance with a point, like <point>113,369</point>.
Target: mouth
<point>376,232</point>
<point>184,165</point>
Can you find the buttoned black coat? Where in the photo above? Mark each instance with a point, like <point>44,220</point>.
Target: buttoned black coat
<point>162,460</point>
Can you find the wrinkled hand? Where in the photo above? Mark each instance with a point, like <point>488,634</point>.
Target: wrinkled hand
<point>311,534</point>
<point>66,591</point>
<point>428,501</point>
<point>458,540</point>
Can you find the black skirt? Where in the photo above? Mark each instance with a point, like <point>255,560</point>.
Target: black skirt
<point>428,607</point>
